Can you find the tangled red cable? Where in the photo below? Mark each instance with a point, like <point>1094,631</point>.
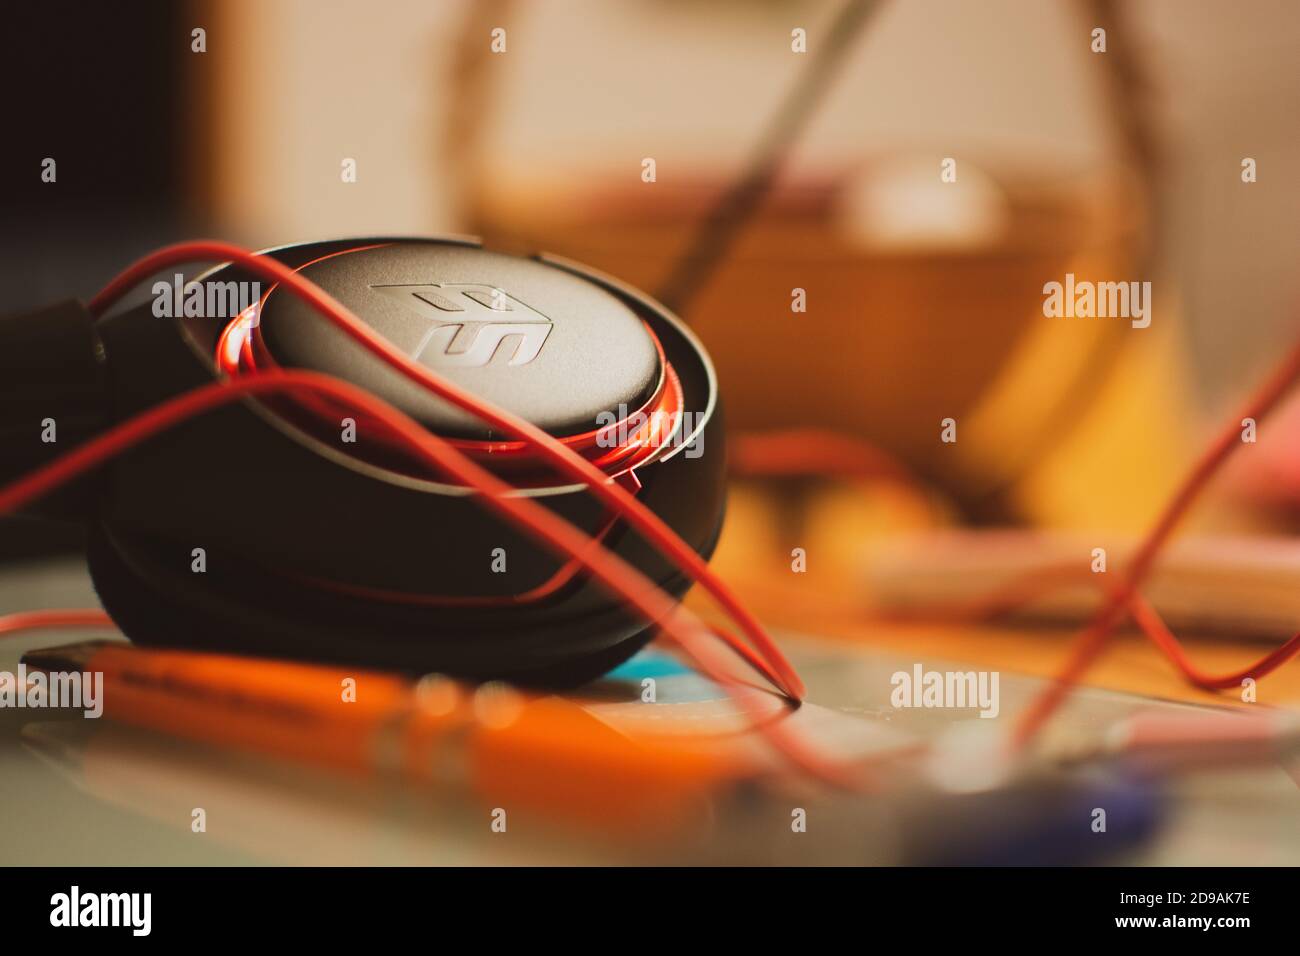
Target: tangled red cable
<point>610,571</point>
<point>613,573</point>
<point>817,452</point>
<point>1093,638</point>
<point>639,437</point>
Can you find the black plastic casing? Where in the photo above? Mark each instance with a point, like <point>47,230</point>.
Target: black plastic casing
<point>277,510</point>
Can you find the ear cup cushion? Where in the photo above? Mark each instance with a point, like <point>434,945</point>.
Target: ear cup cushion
<point>156,599</point>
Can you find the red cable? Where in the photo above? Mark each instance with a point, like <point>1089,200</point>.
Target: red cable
<point>796,451</point>
<point>32,620</point>
<point>1155,628</point>
<point>1092,640</point>
<point>616,575</point>
<point>1147,618</point>
<point>241,349</point>
<point>651,527</point>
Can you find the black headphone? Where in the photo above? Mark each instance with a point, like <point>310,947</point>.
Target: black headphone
<point>288,528</point>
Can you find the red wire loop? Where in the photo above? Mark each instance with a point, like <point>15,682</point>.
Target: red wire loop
<point>611,571</point>
<point>620,578</point>
<point>1092,639</point>
<point>615,449</point>
<point>563,459</point>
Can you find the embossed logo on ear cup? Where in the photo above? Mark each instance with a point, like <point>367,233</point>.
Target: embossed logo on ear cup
<point>470,322</point>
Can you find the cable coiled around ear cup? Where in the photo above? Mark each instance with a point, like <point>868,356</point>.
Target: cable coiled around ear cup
<point>141,379</point>
<point>245,481</point>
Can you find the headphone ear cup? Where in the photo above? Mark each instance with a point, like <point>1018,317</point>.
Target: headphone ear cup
<point>342,559</point>
<point>154,596</point>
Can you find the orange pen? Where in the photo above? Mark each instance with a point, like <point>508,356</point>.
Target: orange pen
<point>540,754</point>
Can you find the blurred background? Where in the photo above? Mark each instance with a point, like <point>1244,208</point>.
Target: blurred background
<point>923,298</point>
<point>1117,166</point>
